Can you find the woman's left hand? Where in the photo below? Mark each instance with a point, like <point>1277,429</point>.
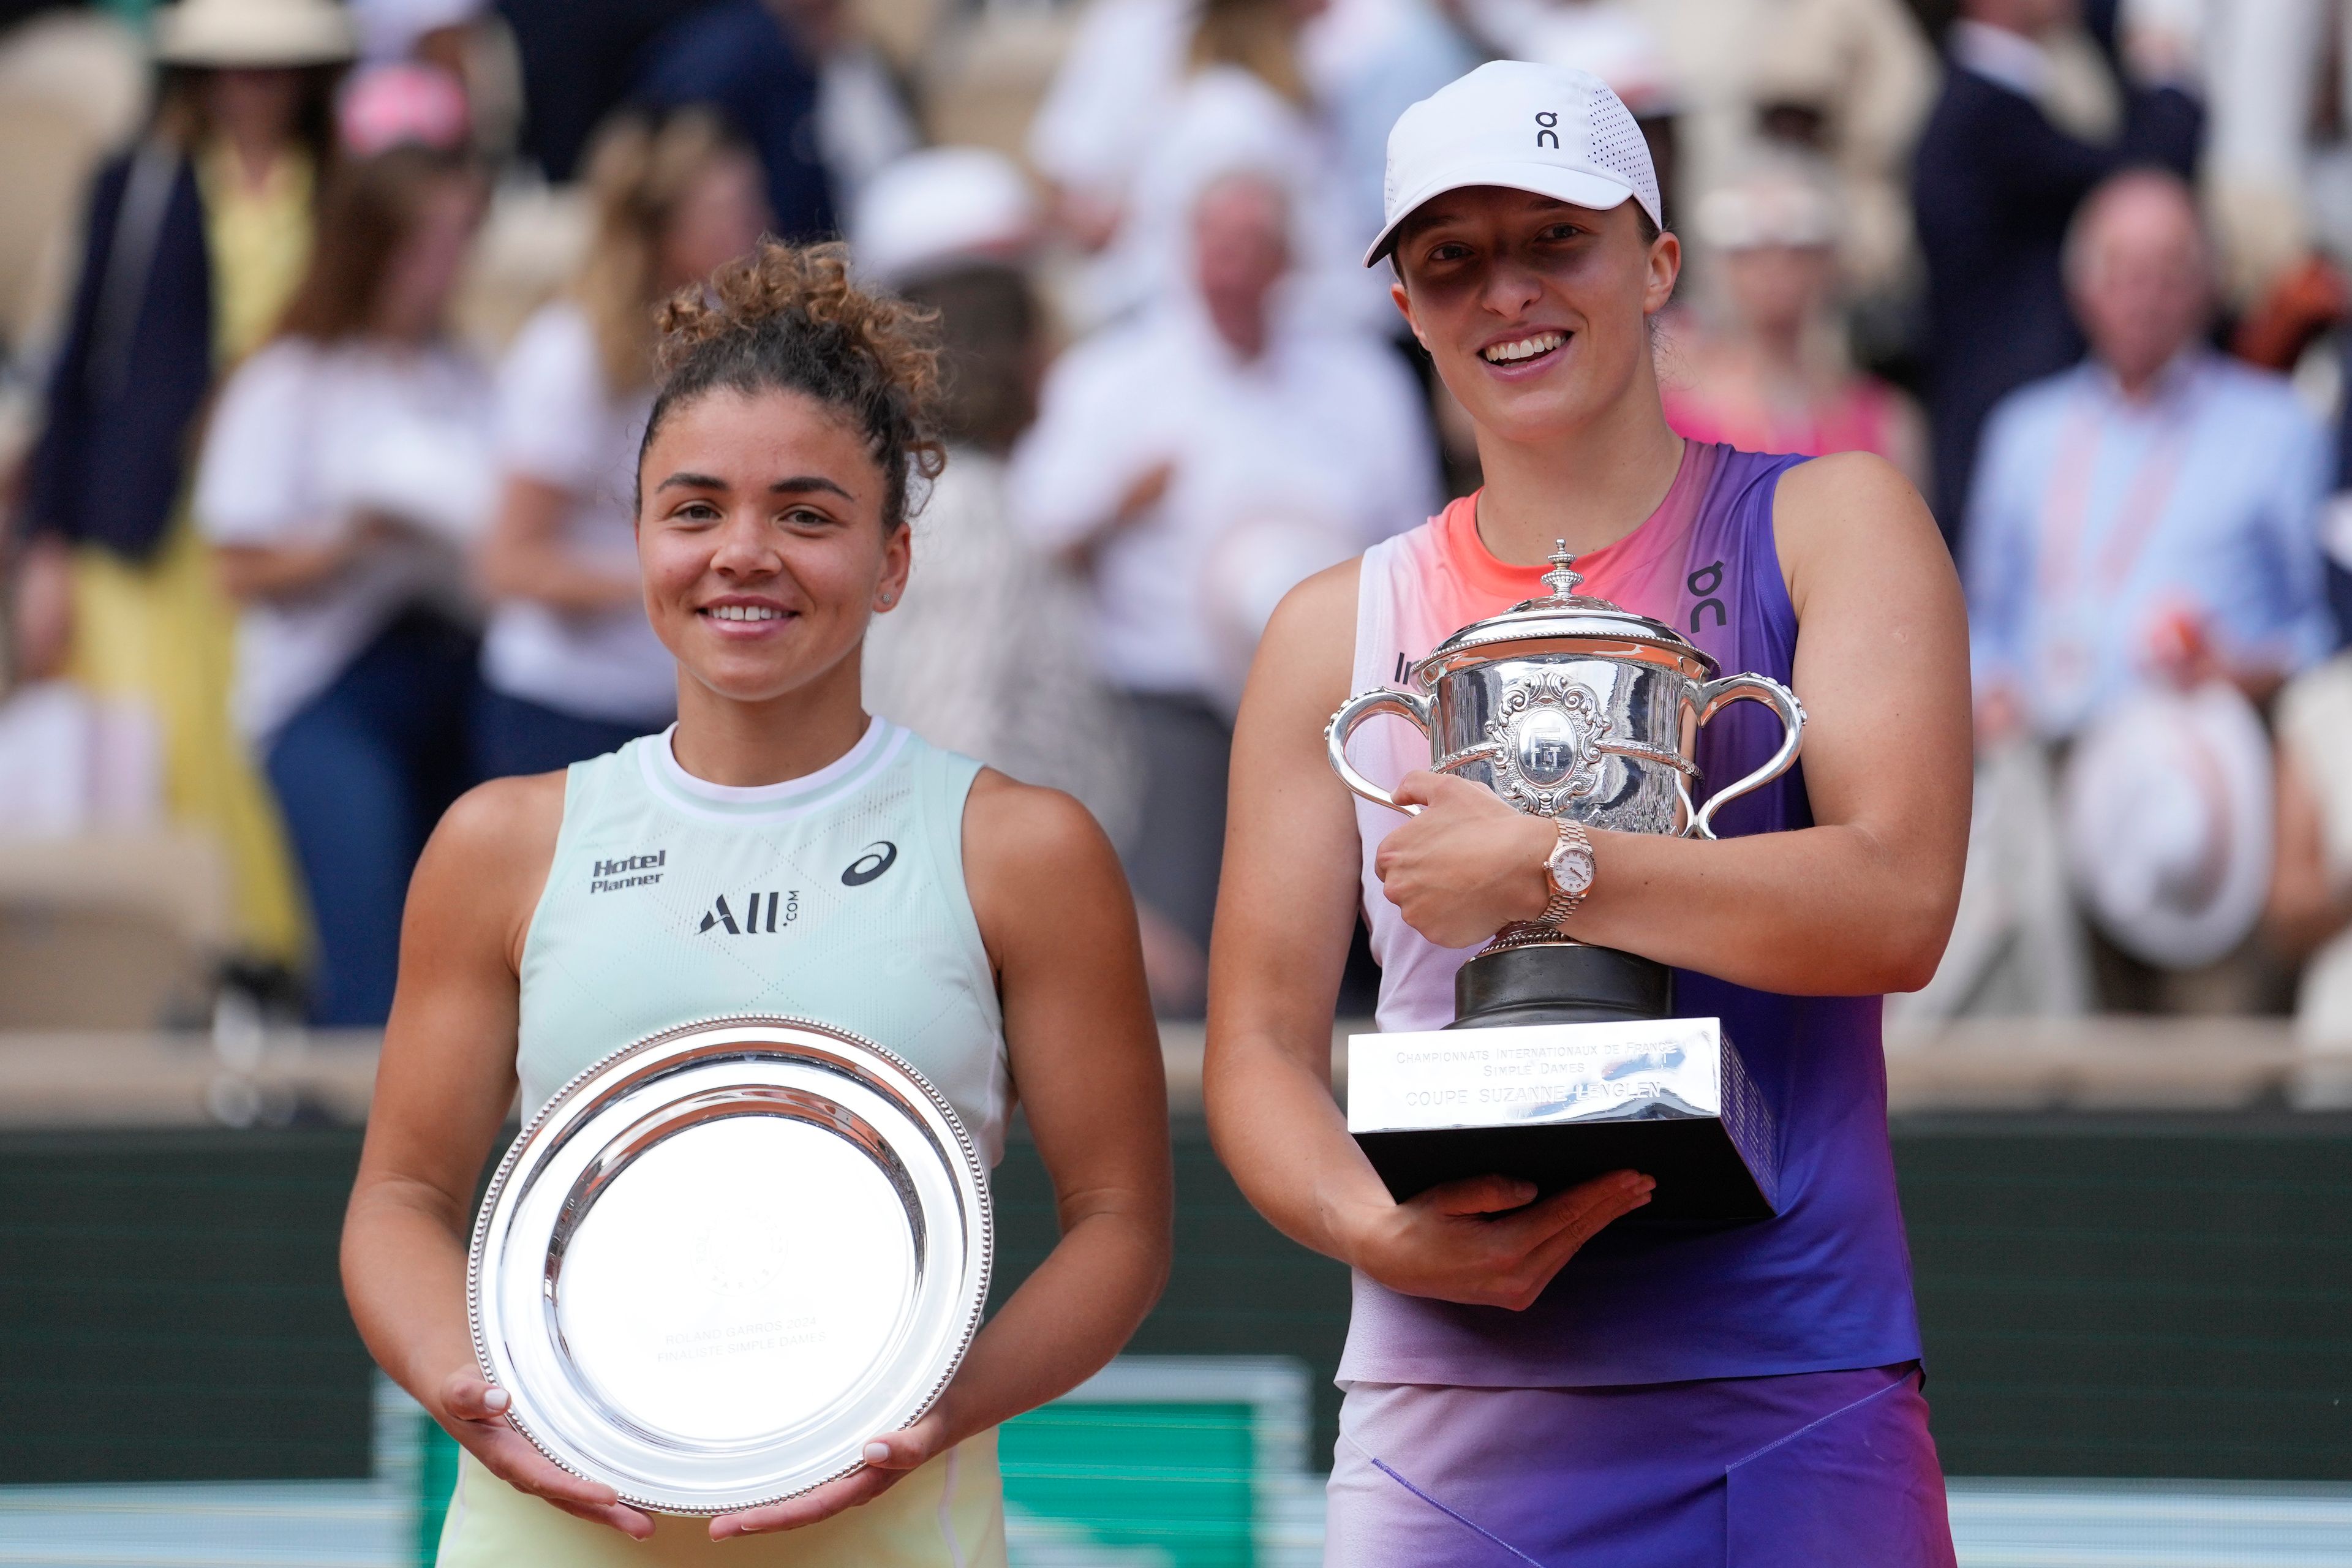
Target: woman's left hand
<point>1467,865</point>
<point>889,1458</point>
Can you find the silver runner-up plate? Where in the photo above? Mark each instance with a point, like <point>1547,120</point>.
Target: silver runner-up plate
<point>724,1259</point>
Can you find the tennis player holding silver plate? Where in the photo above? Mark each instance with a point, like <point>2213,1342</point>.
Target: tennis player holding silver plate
<point>766,981</point>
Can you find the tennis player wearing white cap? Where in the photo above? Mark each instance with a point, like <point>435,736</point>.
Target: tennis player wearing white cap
<point>1528,1382</point>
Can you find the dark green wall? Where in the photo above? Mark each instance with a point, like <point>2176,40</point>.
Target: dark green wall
<point>2124,1296</point>
<point>170,1309</point>
<point>2101,1296</point>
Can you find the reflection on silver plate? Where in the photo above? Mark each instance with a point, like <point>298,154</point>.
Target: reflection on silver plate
<point>724,1258</point>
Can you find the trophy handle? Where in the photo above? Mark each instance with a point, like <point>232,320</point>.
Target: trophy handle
<point>1716,696</point>
<point>1413,711</point>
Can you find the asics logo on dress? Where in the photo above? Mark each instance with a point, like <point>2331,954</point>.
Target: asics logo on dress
<point>761,911</point>
<point>879,858</point>
<point>628,871</point>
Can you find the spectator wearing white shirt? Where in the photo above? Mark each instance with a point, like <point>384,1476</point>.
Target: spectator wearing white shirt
<point>1118,99</point>
<point>1242,101</point>
<point>1123,67</point>
<point>344,466</point>
<point>570,666</point>
<point>1198,461</point>
<point>987,651</point>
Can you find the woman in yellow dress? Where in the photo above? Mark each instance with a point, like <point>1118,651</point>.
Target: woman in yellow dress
<point>195,239</point>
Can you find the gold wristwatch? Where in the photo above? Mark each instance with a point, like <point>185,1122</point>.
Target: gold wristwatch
<point>1567,870</point>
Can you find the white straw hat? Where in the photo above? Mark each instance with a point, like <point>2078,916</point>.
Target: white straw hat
<point>2167,814</point>
<point>1551,129</point>
<point>940,206</point>
<point>253,33</point>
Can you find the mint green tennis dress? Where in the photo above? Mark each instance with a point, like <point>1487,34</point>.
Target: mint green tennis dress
<point>838,897</point>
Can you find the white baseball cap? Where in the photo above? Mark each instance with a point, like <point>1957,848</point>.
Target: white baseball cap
<point>1552,130</point>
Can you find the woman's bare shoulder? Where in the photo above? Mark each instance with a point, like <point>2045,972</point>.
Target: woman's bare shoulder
<point>1005,818</point>
<point>487,859</point>
<point>1321,603</point>
<point>1036,861</point>
<point>1854,513</point>
<point>1849,490</point>
<point>506,818</point>
<point>1308,649</point>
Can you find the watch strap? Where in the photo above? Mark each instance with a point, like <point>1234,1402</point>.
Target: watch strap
<point>1563,903</point>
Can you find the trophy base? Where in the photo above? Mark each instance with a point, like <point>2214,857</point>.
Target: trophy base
<point>1560,983</point>
<point>1563,1063</point>
<point>1703,1179</point>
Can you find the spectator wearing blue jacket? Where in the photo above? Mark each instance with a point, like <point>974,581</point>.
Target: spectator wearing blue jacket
<point>792,79</point>
<point>1997,181</point>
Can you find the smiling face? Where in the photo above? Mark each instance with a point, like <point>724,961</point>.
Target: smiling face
<point>761,541</point>
<point>1536,312</point>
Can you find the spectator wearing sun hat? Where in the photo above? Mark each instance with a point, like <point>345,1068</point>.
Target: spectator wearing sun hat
<point>195,240</point>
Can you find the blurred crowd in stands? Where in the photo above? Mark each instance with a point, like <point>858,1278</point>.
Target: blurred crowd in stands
<point>325,338</point>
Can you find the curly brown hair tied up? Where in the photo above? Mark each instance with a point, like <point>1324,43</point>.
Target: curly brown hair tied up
<point>788,318</point>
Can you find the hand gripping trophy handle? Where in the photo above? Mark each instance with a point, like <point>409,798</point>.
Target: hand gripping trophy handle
<point>1716,696</point>
<point>1418,712</point>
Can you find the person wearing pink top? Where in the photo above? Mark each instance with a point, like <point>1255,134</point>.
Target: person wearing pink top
<point>1767,373</point>
<point>1528,1381</point>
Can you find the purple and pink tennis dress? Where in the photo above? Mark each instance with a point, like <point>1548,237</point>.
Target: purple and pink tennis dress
<point>1743,1396</point>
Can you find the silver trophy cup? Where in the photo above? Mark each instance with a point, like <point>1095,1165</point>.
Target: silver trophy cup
<point>1570,706</point>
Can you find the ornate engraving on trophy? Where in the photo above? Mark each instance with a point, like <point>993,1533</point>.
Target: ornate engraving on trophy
<point>1544,733</point>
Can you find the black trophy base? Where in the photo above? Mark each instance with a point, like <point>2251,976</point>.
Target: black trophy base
<point>1563,984</point>
<point>1703,1178</point>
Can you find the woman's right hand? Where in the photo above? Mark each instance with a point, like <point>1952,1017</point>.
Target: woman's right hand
<point>1484,1242</point>
<point>475,1413</point>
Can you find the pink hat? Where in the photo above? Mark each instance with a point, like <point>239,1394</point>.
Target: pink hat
<point>402,106</point>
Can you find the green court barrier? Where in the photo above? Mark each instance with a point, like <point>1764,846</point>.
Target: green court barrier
<point>2123,1296</point>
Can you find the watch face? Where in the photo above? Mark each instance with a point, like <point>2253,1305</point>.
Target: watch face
<point>1571,867</point>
